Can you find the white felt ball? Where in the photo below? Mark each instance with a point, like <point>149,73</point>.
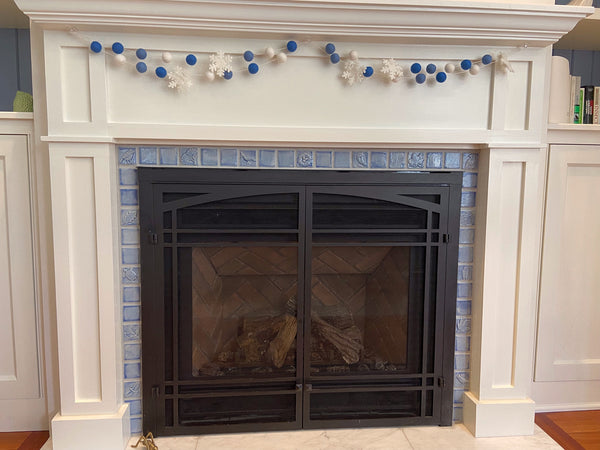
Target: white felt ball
<point>167,57</point>
<point>450,68</point>
<point>210,76</point>
<point>269,52</point>
<point>354,55</point>
<point>281,57</point>
<point>474,70</point>
<point>120,58</point>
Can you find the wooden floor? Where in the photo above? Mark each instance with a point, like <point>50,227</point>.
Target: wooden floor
<point>573,430</point>
<point>23,440</point>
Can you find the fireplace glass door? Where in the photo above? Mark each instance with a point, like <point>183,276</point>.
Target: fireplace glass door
<point>294,304</point>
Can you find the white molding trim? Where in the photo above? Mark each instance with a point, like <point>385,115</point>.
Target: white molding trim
<point>567,407</point>
<point>410,21</point>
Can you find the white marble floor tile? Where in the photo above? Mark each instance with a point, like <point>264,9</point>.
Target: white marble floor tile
<point>459,438</point>
<point>409,438</point>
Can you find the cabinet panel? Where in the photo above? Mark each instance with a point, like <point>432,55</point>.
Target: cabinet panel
<point>568,331</point>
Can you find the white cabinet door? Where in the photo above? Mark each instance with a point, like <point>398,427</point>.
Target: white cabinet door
<point>568,346</point>
<point>22,405</point>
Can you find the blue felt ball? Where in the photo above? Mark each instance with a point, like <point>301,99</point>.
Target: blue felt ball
<point>441,77</point>
<point>228,74</point>
<point>248,55</point>
<point>117,48</point>
<point>141,53</point>
<point>161,72</point>
<point>486,59</point>
<point>431,68</point>
<point>465,64</point>
<point>368,71</point>
<point>329,48</point>
<point>253,68</point>
<point>191,59</point>
<point>96,47</point>
<point>292,46</point>
<point>334,58</point>
<point>421,78</point>
<point>415,68</point>
<point>141,67</point>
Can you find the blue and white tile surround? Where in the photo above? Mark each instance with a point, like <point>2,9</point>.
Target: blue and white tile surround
<point>130,157</point>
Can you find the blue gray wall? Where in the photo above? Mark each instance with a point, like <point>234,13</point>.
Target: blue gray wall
<point>583,63</point>
<point>15,69</point>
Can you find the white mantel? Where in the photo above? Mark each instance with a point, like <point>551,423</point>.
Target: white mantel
<point>85,105</point>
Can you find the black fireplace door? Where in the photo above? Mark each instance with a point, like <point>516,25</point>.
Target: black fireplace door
<point>286,300</point>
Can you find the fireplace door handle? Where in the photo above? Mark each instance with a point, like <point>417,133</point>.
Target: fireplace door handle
<point>298,387</point>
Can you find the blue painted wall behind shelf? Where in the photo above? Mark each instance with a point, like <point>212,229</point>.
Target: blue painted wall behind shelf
<point>15,68</point>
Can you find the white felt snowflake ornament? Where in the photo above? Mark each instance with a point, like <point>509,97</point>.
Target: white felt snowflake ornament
<point>220,63</point>
<point>179,79</point>
<point>391,69</point>
<point>353,72</point>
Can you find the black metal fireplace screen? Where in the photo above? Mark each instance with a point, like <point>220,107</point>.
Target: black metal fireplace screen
<point>297,299</point>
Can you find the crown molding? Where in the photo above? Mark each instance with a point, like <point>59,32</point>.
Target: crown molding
<point>401,21</point>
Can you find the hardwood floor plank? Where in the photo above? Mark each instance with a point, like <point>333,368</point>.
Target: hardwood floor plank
<point>35,440</point>
<point>12,440</point>
<point>573,430</point>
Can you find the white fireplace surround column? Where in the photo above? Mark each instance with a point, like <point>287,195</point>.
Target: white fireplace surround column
<point>92,106</point>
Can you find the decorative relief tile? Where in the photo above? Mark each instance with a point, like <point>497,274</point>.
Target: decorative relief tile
<point>462,361</point>
<point>285,158</point>
<point>467,218</point>
<point>467,199</point>
<point>470,161</point>
<point>188,156</point>
<point>304,159</point>
<point>129,217</point>
<point>131,389</point>
<point>128,177</point>
<point>266,158</point>
<point>130,255</point>
<point>397,160</point>
<point>131,332</point>
<point>463,325</point>
<point>465,254</point>
<point>131,294</point>
<point>452,160</point>
<point>210,157</point>
<point>458,396</point>
<point>132,370</point>
<point>466,236</point>
<point>416,160</point>
<point>457,414</point>
<point>229,157</point>
<point>148,155</point>
<point>132,351</point>
<point>379,160</point>
<point>434,160</point>
<point>464,290</point>
<point>341,160</point>
<point>247,158</point>
<point>131,313</point>
<point>360,160</point>
<point>323,159</point>
<point>469,180</point>
<point>465,273</point>
<point>130,236</point>
<point>127,156</point>
<point>168,156</point>
<point>129,197</point>
<point>461,380</point>
<point>130,275</point>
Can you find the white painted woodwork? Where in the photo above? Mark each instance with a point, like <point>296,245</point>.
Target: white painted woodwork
<point>83,184</point>
<point>507,247</point>
<point>568,331</point>
<point>22,402</point>
<point>92,105</point>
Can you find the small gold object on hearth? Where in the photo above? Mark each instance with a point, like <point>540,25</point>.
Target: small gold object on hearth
<point>147,441</point>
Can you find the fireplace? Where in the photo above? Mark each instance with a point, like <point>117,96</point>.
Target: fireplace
<point>287,299</point>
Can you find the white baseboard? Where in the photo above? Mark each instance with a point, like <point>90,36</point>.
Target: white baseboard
<point>566,407</point>
<point>491,418</point>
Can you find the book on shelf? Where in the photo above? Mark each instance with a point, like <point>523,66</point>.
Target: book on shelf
<point>574,106</point>
<point>587,110</point>
<point>596,105</point>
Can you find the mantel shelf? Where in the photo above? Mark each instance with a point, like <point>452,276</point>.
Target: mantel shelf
<point>442,22</point>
